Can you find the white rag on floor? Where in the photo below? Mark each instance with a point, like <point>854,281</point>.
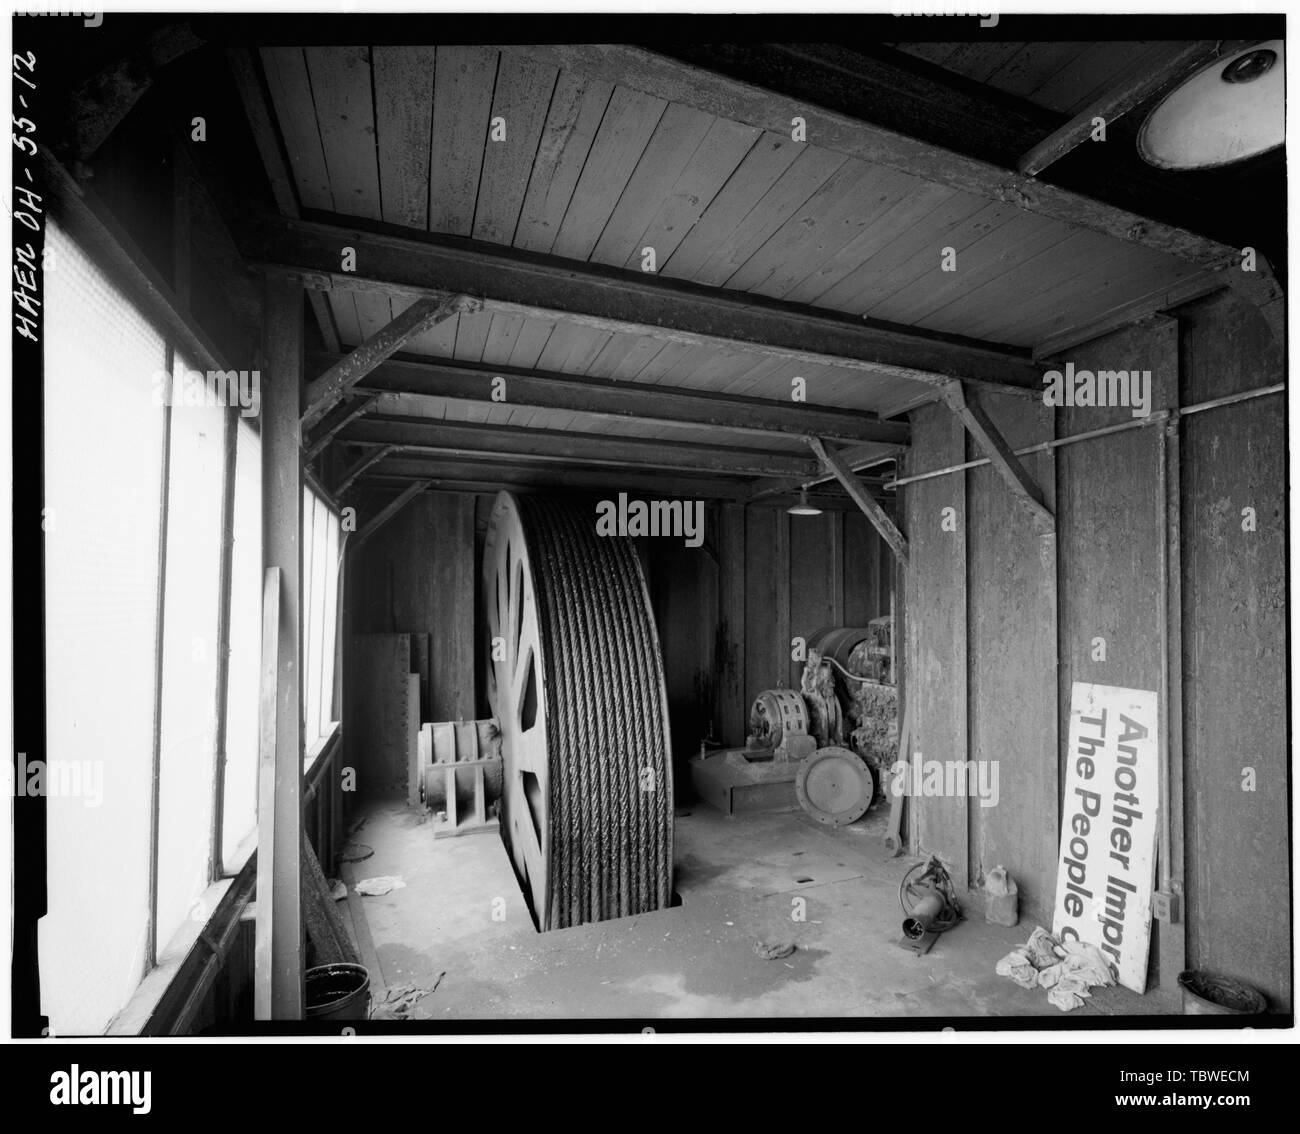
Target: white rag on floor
<point>1068,969</point>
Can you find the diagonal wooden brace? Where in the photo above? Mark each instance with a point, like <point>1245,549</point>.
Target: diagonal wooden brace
<point>387,512</point>
<point>363,462</point>
<point>327,390</point>
<point>837,467</point>
<point>980,426</point>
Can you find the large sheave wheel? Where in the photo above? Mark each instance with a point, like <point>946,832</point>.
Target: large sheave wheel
<point>575,681</point>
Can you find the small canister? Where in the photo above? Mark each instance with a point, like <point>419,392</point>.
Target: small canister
<point>1001,898</point>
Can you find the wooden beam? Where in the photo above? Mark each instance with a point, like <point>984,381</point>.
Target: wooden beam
<point>350,474</point>
<point>98,105</point>
<point>491,474</point>
<point>836,465</point>
<point>387,512</point>
<point>329,389</point>
<point>343,413</point>
<point>1131,91</point>
<point>980,426</point>
<point>270,147</point>
<point>279,971</point>
<point>855,457</point>
<point>450,438</point>
<point>526,284</point>
<point>472,382</point>
<point>1134,311</point>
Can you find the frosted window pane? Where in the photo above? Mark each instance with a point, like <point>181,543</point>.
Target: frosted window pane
<point>189,702</point>
<point>103,468</point>
<point>239,815</point>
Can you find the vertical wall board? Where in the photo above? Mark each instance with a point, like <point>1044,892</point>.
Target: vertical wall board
<point>733,708</point>
<point>1110,531</point>
<point>419,575</point>
<point>379,709</point>
<point>677,575</point>
<point>814,566</point>
<point>861,570</point>
<point>1235,653</point>
<point>936,631</point>
<point>1011,615</point>
<point>765,653</point>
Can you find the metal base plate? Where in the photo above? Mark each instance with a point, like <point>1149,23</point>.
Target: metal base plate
<point>739,779</point>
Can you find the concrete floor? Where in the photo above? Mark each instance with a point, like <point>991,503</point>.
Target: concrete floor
<point>460,927</point>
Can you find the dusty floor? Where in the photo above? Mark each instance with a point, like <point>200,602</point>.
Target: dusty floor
<point>460,928</point>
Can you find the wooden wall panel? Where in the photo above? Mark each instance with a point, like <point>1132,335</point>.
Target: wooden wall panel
<point>767,589</point>
<point>1235,653</point>
<point>816,572</point>
<point>1012,654</point>
<point>419,575</point>
<point>1111,532</point>
<point>936,628</point>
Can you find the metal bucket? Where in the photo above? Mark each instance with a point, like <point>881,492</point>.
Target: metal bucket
<point>338,992</point>
<point>1207,995</point>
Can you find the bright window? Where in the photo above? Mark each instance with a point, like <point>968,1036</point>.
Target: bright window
<point>239,809</point>
<point>320,557</point>
<point>103,448</point>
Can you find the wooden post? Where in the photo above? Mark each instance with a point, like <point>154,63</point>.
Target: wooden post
<point>279,969</point>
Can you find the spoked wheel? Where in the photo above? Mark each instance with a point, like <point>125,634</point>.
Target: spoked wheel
<point>575,681</point>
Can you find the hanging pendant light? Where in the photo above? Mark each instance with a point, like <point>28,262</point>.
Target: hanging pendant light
<point>803,508</point>
<point>1230,110</point>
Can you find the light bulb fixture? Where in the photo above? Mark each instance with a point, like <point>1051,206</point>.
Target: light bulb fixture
<point>803,508</point>
<point>1230,110</point>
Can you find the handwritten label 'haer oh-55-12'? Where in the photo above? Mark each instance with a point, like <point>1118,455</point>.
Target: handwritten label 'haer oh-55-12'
<point>1107,861</point>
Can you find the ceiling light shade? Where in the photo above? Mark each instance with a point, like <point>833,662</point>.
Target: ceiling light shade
<point>803,508</point>
<point>1228,111</point>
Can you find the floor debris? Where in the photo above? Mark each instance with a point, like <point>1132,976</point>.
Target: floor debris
<point>772,952</point>
<point>400,1000</point>
<point>1067,969</point>
<point>385,883</point>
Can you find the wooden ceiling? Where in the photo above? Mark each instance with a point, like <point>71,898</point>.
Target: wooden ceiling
<point>596,172</point>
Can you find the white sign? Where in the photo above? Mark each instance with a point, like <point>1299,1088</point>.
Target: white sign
<point>1106,871</point>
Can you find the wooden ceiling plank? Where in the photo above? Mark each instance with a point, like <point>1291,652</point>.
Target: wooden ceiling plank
<point>719,156</point>
<point>814,229</point>
<point>986,286</point>
<point>523,96</point>
<point>890,224</point>
<point>727,237</point>
<point>676,139</point>
<point>404,78</point>
<point>345,113</point>
<point>462,109</point>
<point>577,108</point>
<point>291,95</point>
<point>916,279</point>
<point>900,261</point>
<point>625,131</point>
